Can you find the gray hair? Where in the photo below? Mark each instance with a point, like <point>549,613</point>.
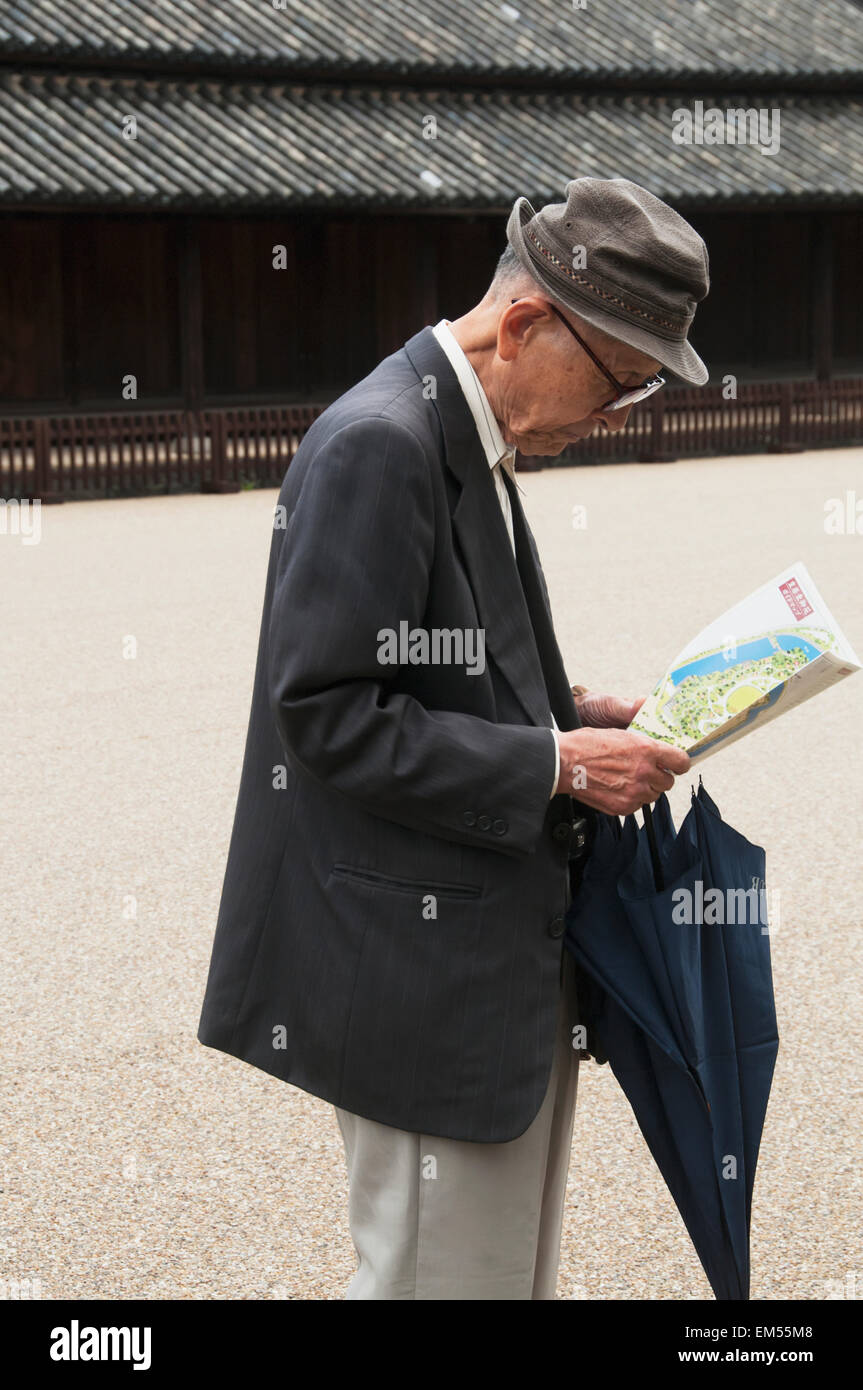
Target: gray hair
<point>511,281</point>
<point>510,274</point>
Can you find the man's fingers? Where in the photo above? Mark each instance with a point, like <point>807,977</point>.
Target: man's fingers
<point>656,782</point>
<point>656,792</point>
<point>671,759</point>
<point>620,770</point>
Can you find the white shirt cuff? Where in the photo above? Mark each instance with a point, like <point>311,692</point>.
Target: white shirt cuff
<point>553,733</point>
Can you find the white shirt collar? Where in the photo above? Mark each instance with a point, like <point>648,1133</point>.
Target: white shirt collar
<point>493,443</point>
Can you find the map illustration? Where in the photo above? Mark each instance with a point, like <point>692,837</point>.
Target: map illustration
<point>724,684</point>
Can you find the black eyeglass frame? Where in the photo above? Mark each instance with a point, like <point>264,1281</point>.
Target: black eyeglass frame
<point>625,395</point>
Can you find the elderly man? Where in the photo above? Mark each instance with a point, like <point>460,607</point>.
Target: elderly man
<point>406,840</point>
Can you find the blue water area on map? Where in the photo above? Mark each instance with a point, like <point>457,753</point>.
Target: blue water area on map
<point>750,651</point>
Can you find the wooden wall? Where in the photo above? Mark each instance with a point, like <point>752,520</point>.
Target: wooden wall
<point>778,281</point>
<point>195,310</point>
<point>84,301</point>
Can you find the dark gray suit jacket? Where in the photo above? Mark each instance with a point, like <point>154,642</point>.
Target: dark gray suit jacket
<point>366,787</point>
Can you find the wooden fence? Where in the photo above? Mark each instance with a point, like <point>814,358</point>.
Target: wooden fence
<point>85,454</point>
<point>698,421</point>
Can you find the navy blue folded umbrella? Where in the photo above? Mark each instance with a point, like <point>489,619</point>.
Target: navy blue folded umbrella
<point>676,990</point>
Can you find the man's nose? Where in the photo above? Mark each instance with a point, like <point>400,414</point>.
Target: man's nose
<point>614,420</point>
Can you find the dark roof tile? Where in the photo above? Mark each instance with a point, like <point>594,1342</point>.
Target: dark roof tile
<point>546,39</point>
<point>212,145</point>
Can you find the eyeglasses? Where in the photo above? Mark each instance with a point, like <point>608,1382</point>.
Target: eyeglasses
<point>625,395</point>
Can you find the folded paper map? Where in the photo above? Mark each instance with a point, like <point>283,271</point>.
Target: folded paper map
<point>769,653</point>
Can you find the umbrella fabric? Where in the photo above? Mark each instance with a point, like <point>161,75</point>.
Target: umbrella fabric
<point>729,857</point>
<point>683,1010</point>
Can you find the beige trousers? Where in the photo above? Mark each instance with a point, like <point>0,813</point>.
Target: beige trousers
<point>435,1218</point>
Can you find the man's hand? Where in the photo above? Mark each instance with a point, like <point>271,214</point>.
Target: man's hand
<point>607,711</point>
<point>617,770</point>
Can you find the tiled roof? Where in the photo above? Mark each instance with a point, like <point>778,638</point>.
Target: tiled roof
<point>208,145</point>
<point>552,40</point>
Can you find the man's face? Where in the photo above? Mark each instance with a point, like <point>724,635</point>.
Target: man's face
<point>547,392</point>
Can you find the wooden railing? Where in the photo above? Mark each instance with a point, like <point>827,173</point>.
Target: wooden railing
<point>692,421</point>
<point>101,454</point>
<point>222,449</point>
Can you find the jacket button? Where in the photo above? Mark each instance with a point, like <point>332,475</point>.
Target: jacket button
<point>562,830</point>
<point>469,818</point>
<point>499,827</point>
<point>484,822</point>
<point>555,926</point>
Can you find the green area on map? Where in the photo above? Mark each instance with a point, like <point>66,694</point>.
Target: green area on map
<point>713,688</point>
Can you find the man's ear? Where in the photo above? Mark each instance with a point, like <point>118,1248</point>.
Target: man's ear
<point>509,337</point>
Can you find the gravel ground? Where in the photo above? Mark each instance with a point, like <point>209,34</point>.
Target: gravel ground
<point>138,1164</point>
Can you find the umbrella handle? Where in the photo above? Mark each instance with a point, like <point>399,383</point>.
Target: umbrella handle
<point>658,877</point>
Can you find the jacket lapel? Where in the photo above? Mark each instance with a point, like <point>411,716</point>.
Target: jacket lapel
<point>500,593</point>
